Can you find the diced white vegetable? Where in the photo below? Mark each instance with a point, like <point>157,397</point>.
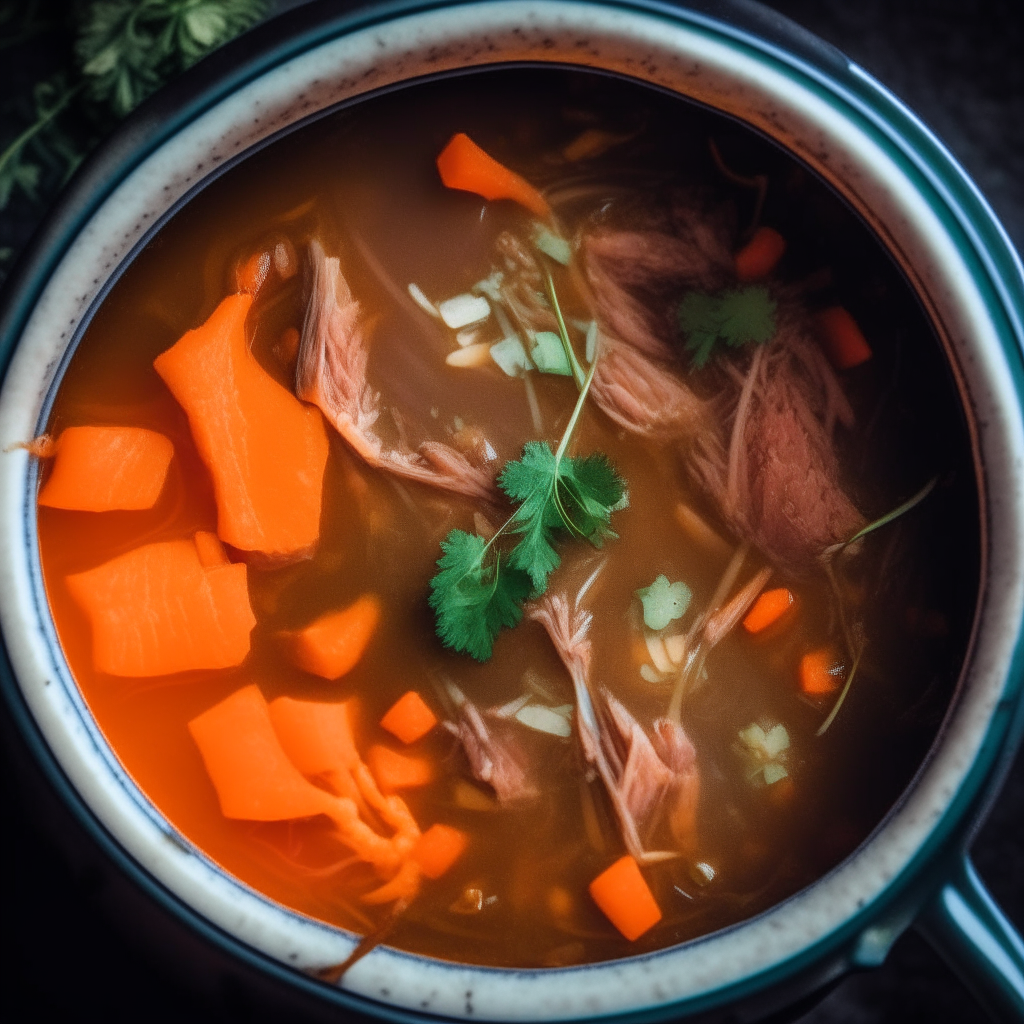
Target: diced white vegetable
<point>470,336</point>
<point>490,286</point>
<point>565,710</point>
<point>650,674</point>
<point>753,737</point>
<point>774,773</point>
<point>675,647</point>
<point>417,296</point>
<point>776,740</point>
<point>591,350</point>
<point>548,354</point>
<point>536,716</point>
<point>510,355</point>
<point>656,649</point>
<point>474,355</point>
<point>464,310</point>
<point>553,245</point>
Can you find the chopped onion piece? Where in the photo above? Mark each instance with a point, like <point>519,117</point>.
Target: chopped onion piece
<point>650,674</point>
<point>474,355</point>
<point>509,710</point>
<point>510,355</point>
<point>536,716</point>
<point>656,649</point>
<point>417,296</point>
<point>548,354</point>
<point>552,245</point>
<point>675,647</point>
<point>467,337</point>
<point>776,740</point>
<point>774,773</point>
<point>464,310</point>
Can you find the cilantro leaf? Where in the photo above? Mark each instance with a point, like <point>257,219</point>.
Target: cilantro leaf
<point>737,317</point>
<point>663,602</point>
<point>590,490</point>
<point>472,597</point>
<point>529,480</point>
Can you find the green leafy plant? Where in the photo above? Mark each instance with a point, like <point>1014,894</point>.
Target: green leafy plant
<point>736,317</point>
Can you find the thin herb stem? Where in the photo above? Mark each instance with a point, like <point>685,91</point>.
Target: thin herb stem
<point>842,696</point>
<point>563,333</point>
<point>33,129</point>
<point>888,517</point>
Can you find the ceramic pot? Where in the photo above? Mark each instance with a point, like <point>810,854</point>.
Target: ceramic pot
<point>734,58</point>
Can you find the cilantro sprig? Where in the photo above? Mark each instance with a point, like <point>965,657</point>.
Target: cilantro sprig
<point>736,317</point>
<point>481,584</point>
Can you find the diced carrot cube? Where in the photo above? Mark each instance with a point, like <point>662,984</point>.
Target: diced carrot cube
<point>333,644</point>
<point>393,770</point>
<point>438,849</point>
<point>757,259</point>
<point>821,672</point>
<point>156,611</point>
<point>841,338</point>
<point>409,718</point>
<point>768,608</point>
<point>101,469</point>
<point>624,897</point>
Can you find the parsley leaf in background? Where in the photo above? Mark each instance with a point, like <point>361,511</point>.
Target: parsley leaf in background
<point>109,56</point>
<point>473,597</point>
<point>737,317</point>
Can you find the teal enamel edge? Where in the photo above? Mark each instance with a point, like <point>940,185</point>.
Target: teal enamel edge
<point>983,245</point>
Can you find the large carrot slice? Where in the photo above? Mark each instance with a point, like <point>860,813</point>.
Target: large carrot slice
<point>317,736</point>
<point>100,469</point>
<point>265,450</point>
<point>333,644</point>
<point>621,892</point>
<point>463,165</point>
<point>156,610</point>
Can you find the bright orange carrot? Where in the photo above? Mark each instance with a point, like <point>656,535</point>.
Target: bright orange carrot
<point>621,892</point>
<point>757,259</point>
<point>393,770</point>
<point>821,672</point>
<point>438,849</point>
<point>252,774</point>
<point>211,551</point>
<point>317,736</point>
<point>265,450</point>
<point>464,165</point>
<point>251,274</point>
<point>99,469</point>
<point>156,610</point>
<point>409,718</point>
<point>768,608</point>
<point>841,338</point>
<point>333,644</point>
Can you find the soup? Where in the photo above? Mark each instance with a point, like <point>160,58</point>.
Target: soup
<point>535,523</point>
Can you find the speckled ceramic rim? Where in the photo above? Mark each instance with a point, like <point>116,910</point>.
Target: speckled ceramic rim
<point>829,114</point>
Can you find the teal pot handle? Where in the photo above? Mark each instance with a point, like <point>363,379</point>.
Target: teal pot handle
<point>973,935</point>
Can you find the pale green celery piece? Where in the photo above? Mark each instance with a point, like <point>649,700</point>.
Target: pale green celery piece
<point>591,350</point>
<point>663,602</point>
<point>549,354</point>
<point>753,737</point>
<point>510,355</point>
<point>776,740</point>
<point>490,285</point>
<point>774,773</point>
<point>464,310</point>
<point>552,245</point>
<point>542,719</point>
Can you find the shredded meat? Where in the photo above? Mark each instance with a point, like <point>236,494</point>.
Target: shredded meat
<point>331,374</point>
<point>645,781</point>
<point>491,749</point>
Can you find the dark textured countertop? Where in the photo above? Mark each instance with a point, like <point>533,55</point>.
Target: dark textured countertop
<point>958,64</point>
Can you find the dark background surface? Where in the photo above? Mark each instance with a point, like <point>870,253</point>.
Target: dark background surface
<point>67,957</point>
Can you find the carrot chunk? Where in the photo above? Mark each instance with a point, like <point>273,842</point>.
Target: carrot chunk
<point>465,166</point>
<point>253,776</point>
<point>821,672</point>
<point>393,770</point>
<point>317,736</point>
<point>841,338</point>
<point>438,849</point>
<point>757,259</point>
<point>333,644</point>
<point>768,608</point>
<point>265,450</point>
<point>157,610</point>
<point>100,469</point>
<point>211,551</point>
<point>409,718</point>
<point>622,894</point>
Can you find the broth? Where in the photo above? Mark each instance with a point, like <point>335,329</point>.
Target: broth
<point>363,182</point>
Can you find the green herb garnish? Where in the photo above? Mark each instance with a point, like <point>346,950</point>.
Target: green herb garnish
<point>663,602</point>
<point>479,588</point>
<point>737,317</point>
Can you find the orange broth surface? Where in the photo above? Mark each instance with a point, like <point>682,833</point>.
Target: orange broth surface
<point>363,182</point>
